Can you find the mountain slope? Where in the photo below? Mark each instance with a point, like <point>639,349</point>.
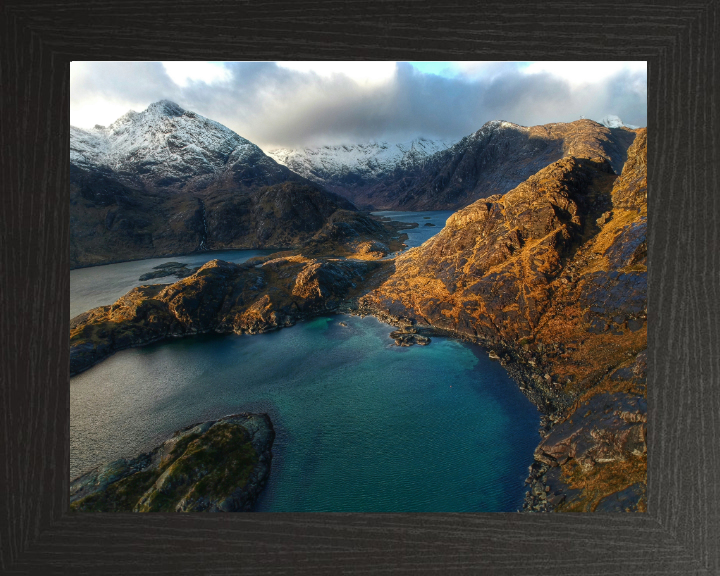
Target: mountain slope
<point>493,160</point>
<point>552,276</point>
<point>168,181</point>
<point>166,148</point>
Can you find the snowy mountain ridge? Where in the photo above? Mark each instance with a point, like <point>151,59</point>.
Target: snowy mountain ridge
<point>163,141</point>
<point>365,161</point>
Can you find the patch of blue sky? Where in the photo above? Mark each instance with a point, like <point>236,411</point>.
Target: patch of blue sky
<point>448,69</point>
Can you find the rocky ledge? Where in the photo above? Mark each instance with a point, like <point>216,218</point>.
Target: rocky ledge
<point>588,460</point>
<point>216,466</point>
<point>408,336</point>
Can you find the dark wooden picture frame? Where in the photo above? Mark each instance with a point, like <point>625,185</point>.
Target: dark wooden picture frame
<point>681,531</point>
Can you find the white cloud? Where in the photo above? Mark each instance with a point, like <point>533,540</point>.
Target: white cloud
<point>580,73</point>
<point>182,73</point>
<point>367,73</point>
<point>287,104</point>
<point>100,111</point>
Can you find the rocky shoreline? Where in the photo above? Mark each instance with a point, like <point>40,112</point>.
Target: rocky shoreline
<point>545,488</point>
<point>521,366</point>
<point>221,297</point>
<point>550,403</point>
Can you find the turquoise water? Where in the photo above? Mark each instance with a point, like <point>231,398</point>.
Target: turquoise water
<point>362,425</point>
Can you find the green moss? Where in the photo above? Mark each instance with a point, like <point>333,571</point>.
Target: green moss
<point>181,445</point>
<point>209,465</point>
<point>121,496</point>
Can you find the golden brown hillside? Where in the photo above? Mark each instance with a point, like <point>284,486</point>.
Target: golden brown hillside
<point>551,276</point>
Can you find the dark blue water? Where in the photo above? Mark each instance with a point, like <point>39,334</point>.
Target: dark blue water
<point>362,425</point>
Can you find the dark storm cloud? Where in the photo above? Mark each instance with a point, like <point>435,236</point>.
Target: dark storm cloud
<point>275,106</point>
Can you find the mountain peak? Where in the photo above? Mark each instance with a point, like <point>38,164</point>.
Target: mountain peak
<point>163,143</point>
<point>496,125</point>
<point>165,108</point>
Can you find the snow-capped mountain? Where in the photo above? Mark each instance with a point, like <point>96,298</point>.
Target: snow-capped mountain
<point>612,121</point>
<point>334,166</point>
<point>167,146</point>
<point>169,181</point>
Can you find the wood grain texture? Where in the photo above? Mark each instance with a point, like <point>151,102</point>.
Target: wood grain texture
<point>679,535</point>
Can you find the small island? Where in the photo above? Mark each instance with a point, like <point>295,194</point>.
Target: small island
<point>216,466</point>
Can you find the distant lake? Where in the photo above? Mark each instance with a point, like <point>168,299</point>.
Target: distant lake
<point>362,425</point>
<point>417,236</point>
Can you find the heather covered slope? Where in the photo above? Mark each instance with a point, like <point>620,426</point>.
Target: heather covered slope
<point>167,181</point>
<point>110,222</point>
<point>553,277</point>
<point>493,160</point>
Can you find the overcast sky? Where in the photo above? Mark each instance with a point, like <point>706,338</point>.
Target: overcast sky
<point>292,104</point>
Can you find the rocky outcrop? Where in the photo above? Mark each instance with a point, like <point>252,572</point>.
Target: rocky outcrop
<point>409,336</point>
<point>595,457</point>
<point>177,269</point>
<point>216,466</point>
<point>256,296</point>
<point>167,181</point>
<point>552,278</point>
<point>357,235</point>
<point>631,187</point>
<point>489,272</point>
<point>588,439</point>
